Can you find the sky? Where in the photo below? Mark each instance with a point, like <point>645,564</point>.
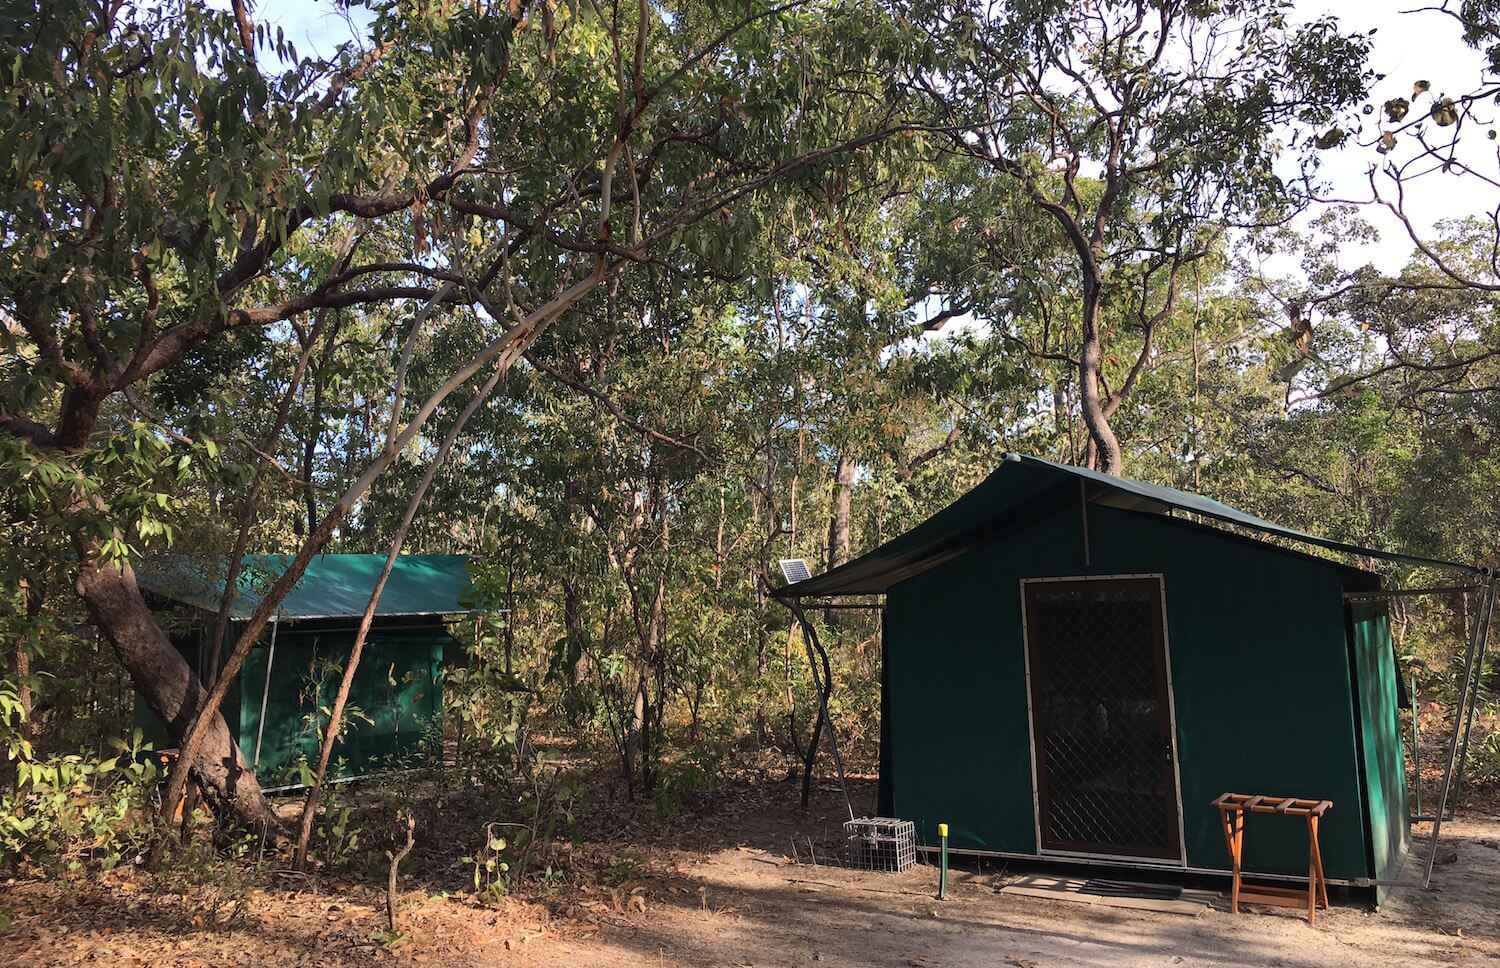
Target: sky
<point>1406,47</point>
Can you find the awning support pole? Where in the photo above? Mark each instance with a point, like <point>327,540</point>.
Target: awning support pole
<point>809,638</point>
<point>1416,744</point>
<point>1481,624</point>
<point>265,693</point>
<point>1463,750</point>
<point>1386,594</point>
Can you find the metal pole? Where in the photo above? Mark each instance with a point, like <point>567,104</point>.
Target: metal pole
<point>1416,744</point>
<point>1463,701</point>
<point>1386,594</point>
<point>1463,751</point>
<point>265,693</point>
<point>1083,507</point>
<point>810,636</point>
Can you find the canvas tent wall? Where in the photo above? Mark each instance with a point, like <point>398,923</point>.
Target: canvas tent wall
<point>1271,684</point>
<point>292,673</point>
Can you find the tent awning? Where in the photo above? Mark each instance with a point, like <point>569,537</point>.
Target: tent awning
<point>333,586</point>
<point>1009,497</point>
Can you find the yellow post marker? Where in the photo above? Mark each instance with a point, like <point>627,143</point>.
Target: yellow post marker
<point>943,864</point>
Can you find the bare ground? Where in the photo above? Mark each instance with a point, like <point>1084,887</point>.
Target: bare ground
<point>719,887</point>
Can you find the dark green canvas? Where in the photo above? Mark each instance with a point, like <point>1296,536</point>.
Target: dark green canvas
<point>1384,762</point>
<point>1274,688</point>
<point>396,695</point>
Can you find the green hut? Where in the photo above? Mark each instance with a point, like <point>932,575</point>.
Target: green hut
<point>1073,669</point>
<point>293,670</point>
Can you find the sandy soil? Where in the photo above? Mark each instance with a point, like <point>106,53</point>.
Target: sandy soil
<point>720,888</point>
<point>750,905</point>
<point>757,911</point>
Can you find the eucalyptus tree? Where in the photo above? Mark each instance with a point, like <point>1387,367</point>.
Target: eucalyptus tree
<point>1141,129</point>
<point>179,181</point>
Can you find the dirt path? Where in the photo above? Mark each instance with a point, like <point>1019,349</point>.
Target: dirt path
<point>719,889</point>
<point>755,909</point>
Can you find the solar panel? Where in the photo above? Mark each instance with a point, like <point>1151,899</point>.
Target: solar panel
<point>794,570</point>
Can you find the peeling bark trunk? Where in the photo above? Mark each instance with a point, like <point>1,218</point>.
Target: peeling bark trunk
<point>168,684</point>
<point>636,735</point>
<point>1104,447</point>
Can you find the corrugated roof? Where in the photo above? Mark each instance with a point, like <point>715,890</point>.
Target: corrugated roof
<point>1003,502</point>
<point>333,586</point>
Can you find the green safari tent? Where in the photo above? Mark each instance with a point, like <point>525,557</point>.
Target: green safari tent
<point>1073,670</point>
<point>295,666</point>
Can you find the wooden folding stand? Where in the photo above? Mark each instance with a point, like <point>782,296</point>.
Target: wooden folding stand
<point>1232,810</point>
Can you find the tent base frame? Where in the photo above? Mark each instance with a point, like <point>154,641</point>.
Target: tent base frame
<point>1145,864</point>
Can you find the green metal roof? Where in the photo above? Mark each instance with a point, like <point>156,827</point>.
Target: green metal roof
<point>333,586</point>
<point>1008,499</point>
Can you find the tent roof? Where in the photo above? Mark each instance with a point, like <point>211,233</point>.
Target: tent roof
<point>1005,501</point>
<point>333,586</point>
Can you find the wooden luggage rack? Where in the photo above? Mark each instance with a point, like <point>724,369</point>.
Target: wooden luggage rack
<point>1232,810</point>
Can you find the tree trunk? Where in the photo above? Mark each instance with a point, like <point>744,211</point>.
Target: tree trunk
<point>573,621</point>
<point>645,719</point>
<point>1104,446</point>
<point>573,626</point>
<point>168,684</point>
<point>643,724</point>
<point>510,610</point>
<point>309,456</point>
<point>636,732</point>
<point>21,669</point>
<point>762,719</point>
<point>367,619</point>
<point>793,737</point>
<point>825,689</point>
<point>838,525</point>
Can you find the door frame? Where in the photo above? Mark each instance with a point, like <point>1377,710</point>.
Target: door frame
<point>1180,860</point>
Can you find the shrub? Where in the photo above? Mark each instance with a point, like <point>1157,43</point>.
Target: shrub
<point>69,810</point>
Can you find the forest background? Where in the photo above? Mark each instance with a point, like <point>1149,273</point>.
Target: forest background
<point>629,301</point>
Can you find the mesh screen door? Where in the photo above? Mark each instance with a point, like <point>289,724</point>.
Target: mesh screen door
<point>1100,717</point>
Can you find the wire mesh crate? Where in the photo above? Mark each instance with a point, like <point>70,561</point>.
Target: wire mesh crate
<point>881,844</point>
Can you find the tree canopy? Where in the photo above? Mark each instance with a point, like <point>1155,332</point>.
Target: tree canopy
<point>628,301</point>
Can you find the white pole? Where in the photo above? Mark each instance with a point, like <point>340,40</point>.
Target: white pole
<point>265,693</point>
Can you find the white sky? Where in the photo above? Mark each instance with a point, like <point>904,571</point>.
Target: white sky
<point>1406,47</point>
